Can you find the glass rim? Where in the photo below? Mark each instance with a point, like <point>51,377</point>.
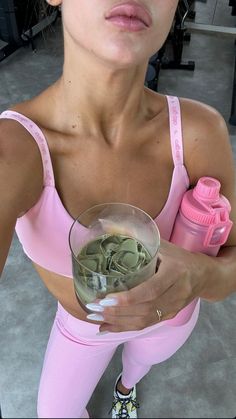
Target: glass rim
<point>76,220</point>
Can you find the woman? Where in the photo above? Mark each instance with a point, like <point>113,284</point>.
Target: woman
<point>99,135</point>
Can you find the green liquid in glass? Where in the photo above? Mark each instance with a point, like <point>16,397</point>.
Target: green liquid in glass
<point>110,263</point>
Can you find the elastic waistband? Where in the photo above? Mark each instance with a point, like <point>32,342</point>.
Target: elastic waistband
<point>88,333</point>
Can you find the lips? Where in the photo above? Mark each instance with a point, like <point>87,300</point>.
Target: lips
<point>131,9</point>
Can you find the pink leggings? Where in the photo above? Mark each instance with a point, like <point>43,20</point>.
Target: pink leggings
<point>77,357</point>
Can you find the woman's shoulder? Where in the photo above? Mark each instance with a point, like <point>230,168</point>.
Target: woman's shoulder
<point>15,139</point>
<point>201,117</point>
<point>195,114</point>
<point>29,108</point>
<point>19,158</point>
<point>203,123</point>
<point>206,139</point>
<point>36,108</point>
<point>10,128</point>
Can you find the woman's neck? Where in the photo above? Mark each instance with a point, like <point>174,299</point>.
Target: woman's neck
<point>100,101</point>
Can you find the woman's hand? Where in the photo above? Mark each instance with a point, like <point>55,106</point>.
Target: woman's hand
<point>180,279</point>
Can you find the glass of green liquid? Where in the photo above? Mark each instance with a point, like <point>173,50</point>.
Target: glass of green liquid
<point>114,247</point>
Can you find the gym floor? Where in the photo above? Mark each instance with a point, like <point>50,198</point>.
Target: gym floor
<point>200,379</point>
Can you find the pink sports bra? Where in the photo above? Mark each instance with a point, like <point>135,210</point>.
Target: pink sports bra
<point>43,231</point>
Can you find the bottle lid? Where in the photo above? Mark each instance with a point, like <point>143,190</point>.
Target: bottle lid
<point>204,204</point>
<point>193,210</point>
<point>207,188</point>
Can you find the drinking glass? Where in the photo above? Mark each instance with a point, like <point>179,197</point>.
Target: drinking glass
<point>114,247</point>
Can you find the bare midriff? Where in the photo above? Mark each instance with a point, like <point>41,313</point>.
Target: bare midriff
<point>62,289</point>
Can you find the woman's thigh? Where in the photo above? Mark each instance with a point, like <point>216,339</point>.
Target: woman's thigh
<point>160,344</point>
<point>70,374</point>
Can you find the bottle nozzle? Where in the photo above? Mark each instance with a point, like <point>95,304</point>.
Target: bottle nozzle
<point>207,188</point>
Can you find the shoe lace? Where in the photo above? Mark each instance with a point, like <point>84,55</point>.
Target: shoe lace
<point>123,406</point>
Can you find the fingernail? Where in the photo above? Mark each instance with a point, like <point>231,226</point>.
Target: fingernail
<point>108,302</point>
<point>102,333</point>
<point>95,317</point>
<point>94,307</point>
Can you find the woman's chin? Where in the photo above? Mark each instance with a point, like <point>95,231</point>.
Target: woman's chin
<point>123,59</point>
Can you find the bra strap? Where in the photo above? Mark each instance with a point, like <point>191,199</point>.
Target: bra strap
<point>176,135</point>
<point>37,134</point>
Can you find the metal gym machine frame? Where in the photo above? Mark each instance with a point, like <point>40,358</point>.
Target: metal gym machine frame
<point>21,21</point>
<point>176,39</point>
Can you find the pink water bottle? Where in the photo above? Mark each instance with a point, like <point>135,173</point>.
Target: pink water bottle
<point>202,223</point>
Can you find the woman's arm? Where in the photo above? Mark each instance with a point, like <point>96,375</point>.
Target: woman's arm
<point>182,276</point>
<point>220,275</point>
<point>21,179</point>
<point>209,153</point>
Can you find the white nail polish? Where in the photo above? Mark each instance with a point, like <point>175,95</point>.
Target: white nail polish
<point>94,307</point>
<point>95,317</point>
<point>108,302</point>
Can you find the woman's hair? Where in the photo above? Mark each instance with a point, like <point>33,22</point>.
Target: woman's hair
<point>44,8</point>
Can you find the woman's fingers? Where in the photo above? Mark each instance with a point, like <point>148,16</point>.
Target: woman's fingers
<point>159,298</point>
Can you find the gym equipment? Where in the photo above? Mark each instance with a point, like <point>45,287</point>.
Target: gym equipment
<point>232,3</point>
<point>153,70</point>
<point>177,38</point>
<point>21,21</point>
<point>232,119</point>
<point>173,46</point>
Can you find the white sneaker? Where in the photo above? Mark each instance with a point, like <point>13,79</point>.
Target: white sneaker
<point>124,406</point>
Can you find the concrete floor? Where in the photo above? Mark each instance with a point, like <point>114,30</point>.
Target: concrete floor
<point>200,379</point>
